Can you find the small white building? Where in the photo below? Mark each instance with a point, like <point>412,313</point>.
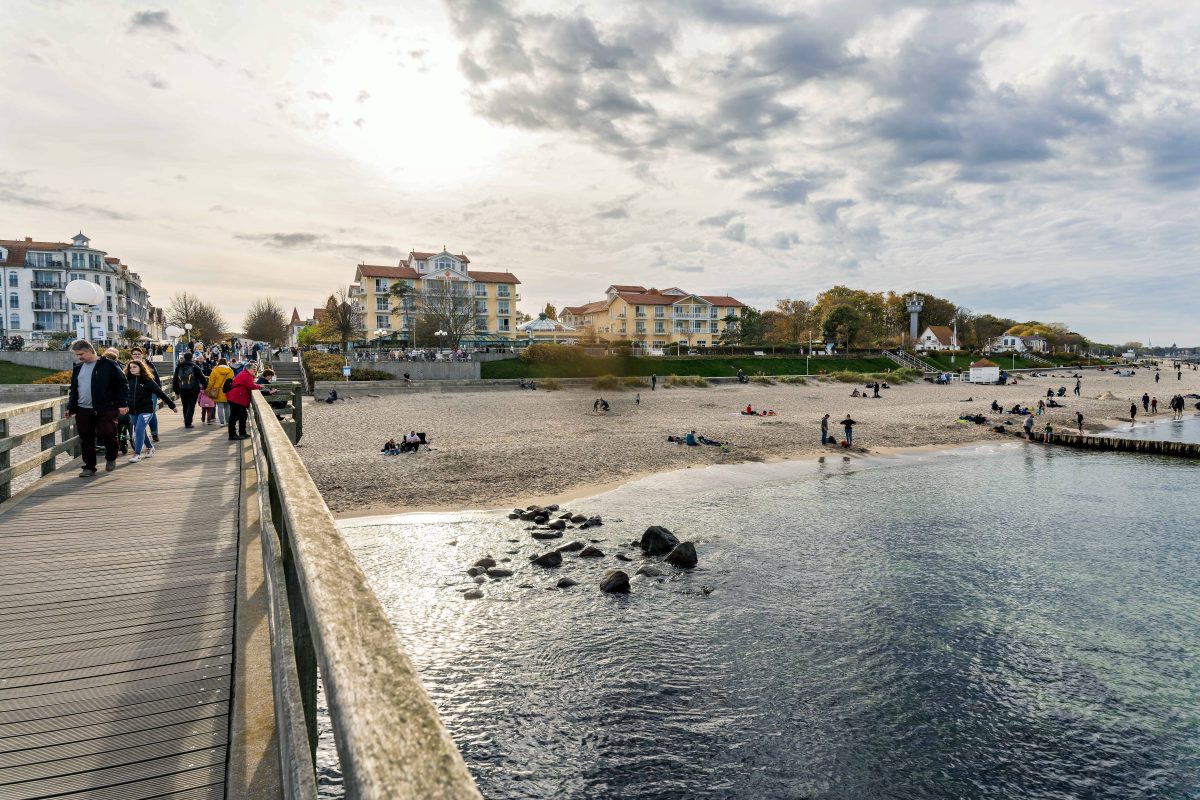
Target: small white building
<point>1011,343</point>
<point>543,329</point>
<point>984,371</point>
<point>937,337</point>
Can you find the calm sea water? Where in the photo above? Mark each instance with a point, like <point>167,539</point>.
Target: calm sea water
<point>1009,622</point>
<point>1164,428</point>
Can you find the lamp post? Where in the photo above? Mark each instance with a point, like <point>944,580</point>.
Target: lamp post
<point>954,343</point>
<point>441,337</point>
<point>86,295</point>
<point>174,332</point>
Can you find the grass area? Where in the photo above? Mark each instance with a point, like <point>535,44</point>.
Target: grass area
<point>592,367</point>
<point>942,361</point>
<point>19,373</point>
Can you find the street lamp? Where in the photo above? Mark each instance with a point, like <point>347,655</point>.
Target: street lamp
<point>441,337</point>
<point>87,295</point>
<point>174,331</point>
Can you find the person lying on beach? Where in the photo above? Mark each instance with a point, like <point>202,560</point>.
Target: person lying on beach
<point>528,384</point>
<point>749,409</point>
<point>1054,404</point>
<point>978,419</point>
<point>1000,429</point>
<point>690,439</point>
<point>712,442</point>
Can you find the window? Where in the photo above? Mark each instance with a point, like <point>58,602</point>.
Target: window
<point>481,290</point>
<point>14,300</point>
<point>712,327</point>
<point>481,323</point>
<point>640,326</point>
<point>381,285</point>
<point>658,327</point>
<point>659,312</point>
<point>77,260</point>
<point>15,320</point>
<point>12,279</point>
<point>504,325</point>
<point>75,320</point>
<point>109,299</point>
<point>712,313</point>
<point>639,311</point>
<point>502,290</point>
<point>504,309</point>
<point>381,304</point>
<point>481,307</point>
<point>383,321</point>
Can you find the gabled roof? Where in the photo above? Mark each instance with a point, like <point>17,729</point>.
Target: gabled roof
<point>18,248</point>
<point>723,300</point>
<point>295,316</point>
<point>652,298</point>
<point>983,362</point>
<point>395,273</point>
<point>942,333</point>
<point>586,308</point>
<point>426,256</point>
<point>616,287</point>
<point>493,277</point>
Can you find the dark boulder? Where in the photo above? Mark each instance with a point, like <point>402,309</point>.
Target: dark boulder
<point>546,534</point>
<point>649,571</point>
<point>499,572</point>
<point>551,559</point>
<point>623,557</point>
<point>578,518</point>
<point>684,555</point>
<point>552,507</point>
<point>529,516</point>
<point>565,515</point>
<point>479,579</point>
<point>558,525</point>
<point>541,519</point>
<point>473,594</point>
<point>518,511</point>
<point>567,583</point>
<point>657,540</point>
<point>532,508</point>
<point>615,581</point>
<point>485,562</point>
<point>514,516</point>
<point>591,552</point>
<point>473,571</point>
<point>571,547</point>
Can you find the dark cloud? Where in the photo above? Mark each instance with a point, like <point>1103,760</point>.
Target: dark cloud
<point>1172,148</point>
<point>735,232</point>
<point>155,82</point>
<point>726,12</point>
<point>152,22</point>
<point>321,243</point>
<point>692,268</point>
<point>826,211</point>
<point>785,189</point>
<point>784,240</point>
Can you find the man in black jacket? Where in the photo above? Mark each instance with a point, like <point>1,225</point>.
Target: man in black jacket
<point>187,382</point>
<point>98,397</point>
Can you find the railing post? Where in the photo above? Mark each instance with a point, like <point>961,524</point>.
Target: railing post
<point>6,486</point>
<point>298,409</point>
<point>47,416</point>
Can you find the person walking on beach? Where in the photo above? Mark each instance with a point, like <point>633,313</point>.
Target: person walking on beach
<point>187,380</point>
<point>848,426</point>
<point>653,381</point>
<point>1146,402</point>
<point>1133,412</point>
<point>637,399</point>
<point>216,388</point>
<point>144,394</point>
<point>1156,376</point>
<point>825,430</point>
<point>1079,420</point>
<point>1153,405</point>
<point>97,397</point>
<point>1077,387</point>
<point>1029,427</point>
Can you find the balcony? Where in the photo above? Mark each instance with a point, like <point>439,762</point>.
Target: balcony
<point>49,306</point>
<point>32,262</point>
<point>55,286</point>
<point>39,326</point>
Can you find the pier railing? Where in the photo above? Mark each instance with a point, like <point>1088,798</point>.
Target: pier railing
<point>52,422</point>
<point>326,620</point>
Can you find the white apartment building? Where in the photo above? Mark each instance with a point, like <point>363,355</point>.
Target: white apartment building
<point>34,303</point>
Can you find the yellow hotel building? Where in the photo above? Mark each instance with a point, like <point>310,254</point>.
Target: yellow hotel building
<point>656,317</point>
<point>495,295</point>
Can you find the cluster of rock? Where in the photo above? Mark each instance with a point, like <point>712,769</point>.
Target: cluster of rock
<point>656,541</point>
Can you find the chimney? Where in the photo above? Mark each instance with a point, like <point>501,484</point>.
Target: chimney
<point>29,238</point>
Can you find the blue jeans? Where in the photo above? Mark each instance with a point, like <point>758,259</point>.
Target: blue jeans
<point>824,437</point>
<point>154,421</point>
<point>849,435</point>
<point>140,423</point>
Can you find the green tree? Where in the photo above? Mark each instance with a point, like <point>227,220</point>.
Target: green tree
<point>842,324</point>
<point>551,312</point>
<point>748,329</point>
<point>343,320</point>
<point>308,336</point>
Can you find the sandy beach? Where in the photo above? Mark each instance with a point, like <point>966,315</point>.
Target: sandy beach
<point>495,449</point>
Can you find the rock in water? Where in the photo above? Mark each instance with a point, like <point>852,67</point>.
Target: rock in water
<point>546,534</point>
<point>473,571</point>
<point>684,555</point>
<point>567,583</point>
<point>571,547</point>
<point>473,594</point>
<point>485,562</point>
<point>649,571</point>
<point>551,559</point>
<point>615,581</point>
<point>558,525</point>
<point>657,540</point>
<point>591,552</point>
<point>499,572</point>
<point>541,519</point>
<point>566,515</point>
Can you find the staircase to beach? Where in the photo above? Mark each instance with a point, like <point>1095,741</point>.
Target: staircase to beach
<point>1045,362</point>
<point>906,359</point>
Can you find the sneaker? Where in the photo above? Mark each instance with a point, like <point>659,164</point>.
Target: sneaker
<point>154,437</point>
<point>149,452</point>
<point>109,466</point>
<point>135,459</point>
<point>86,473</point>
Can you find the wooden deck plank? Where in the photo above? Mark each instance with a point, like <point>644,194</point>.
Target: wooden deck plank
<point>116,627</point>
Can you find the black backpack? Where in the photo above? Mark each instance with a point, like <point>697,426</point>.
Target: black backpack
<point>227,385</point>
<point>187,379</point>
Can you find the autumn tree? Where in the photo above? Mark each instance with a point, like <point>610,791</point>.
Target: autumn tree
<point>551,312</point>
<point>266,322</point>
<point>206,321</point>
<point>842,324</point>
<point>343,320</point>
<point>792,321</point>
<point>868,322</point>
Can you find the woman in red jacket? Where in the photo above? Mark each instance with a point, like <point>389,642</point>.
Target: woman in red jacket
<point>239,400</point>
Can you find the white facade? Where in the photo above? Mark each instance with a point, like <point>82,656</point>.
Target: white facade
<point>985,373</point>
<point>939,338</point>
<point>1009,343</point>
<point>35,305</point>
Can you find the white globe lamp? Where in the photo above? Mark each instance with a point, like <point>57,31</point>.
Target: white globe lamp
<point>86,295</point>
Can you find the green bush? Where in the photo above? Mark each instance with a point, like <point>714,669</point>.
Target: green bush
<point>607,382</point>
<point>552,353</point>
<point>847,377</point>
<point>551,384</point>
<point>903,375</point>
<point>694,381</point>
<point>635,381</point>
<point>795,379</point>
<point>369,375</point>
<point>62,377</point>
<point>763,379</point>
<point>323,367</point>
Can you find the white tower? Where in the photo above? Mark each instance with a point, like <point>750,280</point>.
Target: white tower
<point>914,303</point>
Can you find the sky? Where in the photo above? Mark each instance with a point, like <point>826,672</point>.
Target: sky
<point>1037,160</point>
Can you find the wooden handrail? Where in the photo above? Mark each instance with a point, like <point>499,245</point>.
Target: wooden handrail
<point>390,740</point>
<point>47,456</point>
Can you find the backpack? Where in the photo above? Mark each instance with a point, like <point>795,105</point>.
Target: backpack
<point>187,380</point>
<point>227,385</point>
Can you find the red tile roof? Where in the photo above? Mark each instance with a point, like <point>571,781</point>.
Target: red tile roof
<point>586,308</point>
<point>633,289</point>
<point>942,333</point>
<point>493,277</point>
<point>723,300</point>
<point>427,256</point>
<point>983,362</point>
<point>17,248</point>
<point>295,316</point>
<point>375,271</point>
<point>648,298</point>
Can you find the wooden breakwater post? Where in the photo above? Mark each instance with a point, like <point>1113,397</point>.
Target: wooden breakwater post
<point>1118,444</point>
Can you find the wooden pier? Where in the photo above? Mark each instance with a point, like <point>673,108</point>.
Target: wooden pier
<point>163,627</point>
<point>1123,445</point>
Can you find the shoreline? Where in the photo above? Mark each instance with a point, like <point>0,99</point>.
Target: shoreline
<point>588,491</point>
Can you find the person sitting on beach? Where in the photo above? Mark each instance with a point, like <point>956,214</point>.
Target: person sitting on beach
<point>749,410</point>
<point>596,405</point>
<point>690,439</point>
<point>407,379</point>
<point>1000,429</point>
<point>603,404</point>
<point>412,443</point>
<point>1054,404</point>
<point>1049,393</point>
<point>332,397</point>
<point>856,393</point>
<point>996,406</point>
<point>1062,391</point>
<point>391,448</point>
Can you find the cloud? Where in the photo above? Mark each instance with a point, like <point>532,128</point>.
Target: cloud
<point>735,233</point>
<point>154,81</point>
<point>785,189</point>
<point>319,95</point>
<point>152,22</point>
<point>363,96</point>
<point>14,191</point>
<point>681,268</point>
<point>617,212</point>
<point>321,243</point>
<point>359,122</point>
<point>784,240</point>
<point>826,211</point>
<point>219,209</point>
<point>718,220</point>
<point>1172,149</point>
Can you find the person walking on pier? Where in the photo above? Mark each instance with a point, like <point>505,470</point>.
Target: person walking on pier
<point>239,400</point>
<point>216,388</point>
<point>144,394</point>
<point>137,354</point>
<point>187,381</point>
<point>97,397</point>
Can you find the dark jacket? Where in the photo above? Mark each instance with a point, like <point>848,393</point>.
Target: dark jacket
<point>199,379</point>
<point>142,394</point>
<point>109,388</point>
